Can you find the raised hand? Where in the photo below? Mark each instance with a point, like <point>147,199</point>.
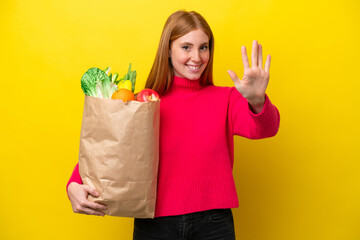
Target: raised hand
<point>255,79</point>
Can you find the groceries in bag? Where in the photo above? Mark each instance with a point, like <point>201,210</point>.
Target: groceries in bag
<point>119,143</point>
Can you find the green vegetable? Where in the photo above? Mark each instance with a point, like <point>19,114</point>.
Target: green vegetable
<point>114,77</point>
<point>96,83</point>
<point>130,75</point>
<point>107,70</point>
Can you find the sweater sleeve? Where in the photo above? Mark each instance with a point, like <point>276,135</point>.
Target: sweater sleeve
<point>75,177</point>
<point>244,122</point>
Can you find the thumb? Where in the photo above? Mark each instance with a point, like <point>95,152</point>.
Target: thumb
<point>235,78</point>
<point>92,191</point>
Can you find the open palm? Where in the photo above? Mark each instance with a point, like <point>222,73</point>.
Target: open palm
<point>256,78</point>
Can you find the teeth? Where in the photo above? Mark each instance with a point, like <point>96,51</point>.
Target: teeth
<point>193,67</point>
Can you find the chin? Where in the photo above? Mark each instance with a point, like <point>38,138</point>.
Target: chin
<point>193,77</point>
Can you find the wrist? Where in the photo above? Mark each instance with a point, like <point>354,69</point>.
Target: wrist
<point>72,184</point>
<point>256,104</point>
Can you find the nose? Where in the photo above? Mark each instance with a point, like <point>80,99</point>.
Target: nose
<point>195,56</point>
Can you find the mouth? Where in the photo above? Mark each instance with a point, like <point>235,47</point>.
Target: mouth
<point>194,68</point>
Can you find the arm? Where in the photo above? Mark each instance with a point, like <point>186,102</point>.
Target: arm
<point>252,115</point>
<point>244,122</point>
<point>75,177</point>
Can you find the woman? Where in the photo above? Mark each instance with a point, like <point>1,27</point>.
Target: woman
<point>196,189</point>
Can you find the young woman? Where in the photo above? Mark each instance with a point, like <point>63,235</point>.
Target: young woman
<point>196,189</point>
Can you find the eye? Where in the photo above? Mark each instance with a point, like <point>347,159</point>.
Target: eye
<point>185,47</point>
<point>205,47</point>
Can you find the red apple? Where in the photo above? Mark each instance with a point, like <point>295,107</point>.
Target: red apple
<point>147,95</point>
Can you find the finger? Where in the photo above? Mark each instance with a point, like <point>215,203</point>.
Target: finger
<point>254,54</point>
<point>267,63</point>
<point>92,191</point>
<point>93,205</point>
<point>245,57</point>
<point>89,211</point>
<point>234,77</point>
<point>260,56</point>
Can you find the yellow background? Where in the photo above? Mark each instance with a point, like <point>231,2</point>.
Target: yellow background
<point>302,184</point>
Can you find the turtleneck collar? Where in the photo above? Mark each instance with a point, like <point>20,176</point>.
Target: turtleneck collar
<point>186,85</point>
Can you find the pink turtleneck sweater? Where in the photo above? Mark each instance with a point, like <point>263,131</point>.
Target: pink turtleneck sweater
<point>197,125</point>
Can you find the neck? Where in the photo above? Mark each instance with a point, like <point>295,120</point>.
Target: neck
<point>180,84</point>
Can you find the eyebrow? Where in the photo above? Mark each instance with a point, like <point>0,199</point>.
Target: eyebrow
<point>187,43</point>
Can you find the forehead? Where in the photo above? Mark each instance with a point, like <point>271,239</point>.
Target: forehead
<point>197,36</point>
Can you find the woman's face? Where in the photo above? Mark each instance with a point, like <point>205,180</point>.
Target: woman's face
<point>190,54</point>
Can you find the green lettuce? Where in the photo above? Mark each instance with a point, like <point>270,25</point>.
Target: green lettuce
<point>96,83</point>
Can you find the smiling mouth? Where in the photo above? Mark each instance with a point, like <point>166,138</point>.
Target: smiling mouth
<point>194,68</point>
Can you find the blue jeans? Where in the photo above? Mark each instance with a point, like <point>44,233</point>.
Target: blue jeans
<point>215,224</point>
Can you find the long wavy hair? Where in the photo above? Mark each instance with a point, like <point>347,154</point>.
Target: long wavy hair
<point>177,25</point>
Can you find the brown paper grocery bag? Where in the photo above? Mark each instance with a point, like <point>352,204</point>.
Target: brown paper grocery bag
<point>119,154</point>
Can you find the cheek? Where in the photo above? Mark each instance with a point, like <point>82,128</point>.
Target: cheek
<point>206,57</point>
<point>178,58</point>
